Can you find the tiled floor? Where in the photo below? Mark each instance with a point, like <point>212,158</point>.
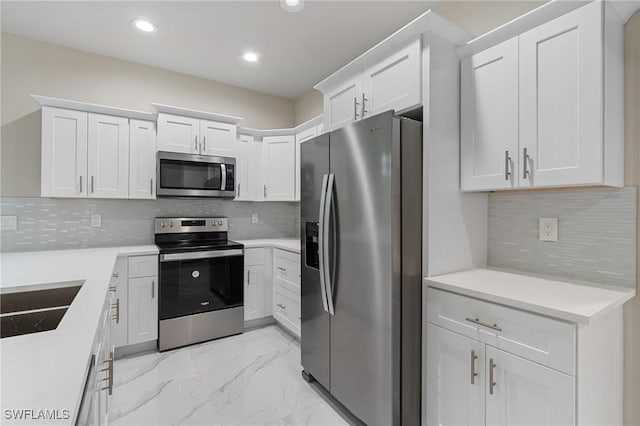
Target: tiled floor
<point>249,379</point>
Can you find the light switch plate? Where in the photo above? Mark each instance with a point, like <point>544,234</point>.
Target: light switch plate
<point>8,223</point>
<point>548,229</point>
<point>254,217</point>
<point>96,221</point>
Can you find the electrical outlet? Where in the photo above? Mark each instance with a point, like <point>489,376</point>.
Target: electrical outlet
<point>96,221</point>
<point>254,217</point>
<point>8,223</point>
<point>548,229</point>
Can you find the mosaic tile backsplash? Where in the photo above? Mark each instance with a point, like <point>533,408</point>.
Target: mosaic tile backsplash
<point>596,234</point>
<point>51,224</point>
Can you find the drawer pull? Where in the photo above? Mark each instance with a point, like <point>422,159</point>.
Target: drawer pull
<point>492,384</point>
<point>282,306</point>
<point>473,367</point>
<point>484,324</point>
<point>282,269</point>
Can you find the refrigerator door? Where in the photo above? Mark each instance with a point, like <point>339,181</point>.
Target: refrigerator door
<point>314,166</point>
<point>365,330</point>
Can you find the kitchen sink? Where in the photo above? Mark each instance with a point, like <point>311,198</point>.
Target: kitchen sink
<point>35,310</point>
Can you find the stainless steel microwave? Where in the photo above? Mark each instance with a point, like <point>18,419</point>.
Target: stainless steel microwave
<point>192,175</point>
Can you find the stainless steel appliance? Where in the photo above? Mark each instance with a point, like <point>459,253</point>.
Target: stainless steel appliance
<point>361,230</point>
<point>192,175</point>
<point>201,281</point>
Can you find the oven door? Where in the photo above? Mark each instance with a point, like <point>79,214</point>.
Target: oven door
<point>201,281</point>
<point>189,175</point>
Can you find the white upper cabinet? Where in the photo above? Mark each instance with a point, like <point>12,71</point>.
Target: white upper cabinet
<point>302,137</point>
<point>178,134</point>
<point>278,167</point>
<point>394,83</point>
<point>342,105</point>
<point>489,114</point>
<point>561,108</point>
<point>108,156</point>
<point>567,121</point>
<point>217,138</point>
<point>64,153</point>
<point>142,159</point>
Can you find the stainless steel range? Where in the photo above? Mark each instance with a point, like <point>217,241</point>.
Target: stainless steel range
<point>201,281</point>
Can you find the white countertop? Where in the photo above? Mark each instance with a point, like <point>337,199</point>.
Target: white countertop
<point>47,370</point>
<point>573,302</point>
<point>290,244</point>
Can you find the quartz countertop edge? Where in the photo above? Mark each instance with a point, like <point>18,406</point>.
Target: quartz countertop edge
<point>577,303</point>
<point>47,370</point>
<point>289,244</point>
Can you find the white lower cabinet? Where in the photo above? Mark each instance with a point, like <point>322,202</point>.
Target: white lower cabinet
<point>254,284</point>
<point>286,289</point>
<point>120,286</point>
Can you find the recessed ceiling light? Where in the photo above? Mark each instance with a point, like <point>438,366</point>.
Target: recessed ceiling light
<point>292,5</point>
<point>144,25</point>
<point>250,57</point>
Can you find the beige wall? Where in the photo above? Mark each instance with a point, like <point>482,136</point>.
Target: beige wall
<point>32,67</point>
<point>632,177</point>
<point>308,106</point>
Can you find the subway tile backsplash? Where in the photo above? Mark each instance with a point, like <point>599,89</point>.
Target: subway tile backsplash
<point>51,224</point>
<point>596,234</point>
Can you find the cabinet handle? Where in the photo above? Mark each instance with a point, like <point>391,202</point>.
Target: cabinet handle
<point>92,184</point>
<point>195,143</point>
<point>484,324</point>
<point>113,288</point>
<point>204,144</point>
<point>249,277</point>
<point>364,109</point>
<point>355,108</point>
<point>115,275</point>
<point>507,160</point>
<point>525,171</point>
<point>492,384</point>
<point>238,196</point>
<point>282,306</point>
<point>81,184</point>
<point>109,378</point>
<point>280,268</point>
<point>153,289</point>
<point>473,367</point>
<point>151,186</point>
<point>265,191</point>
<point>117,306</point>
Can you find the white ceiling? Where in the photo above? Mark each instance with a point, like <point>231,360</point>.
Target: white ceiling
<point>207,38</point>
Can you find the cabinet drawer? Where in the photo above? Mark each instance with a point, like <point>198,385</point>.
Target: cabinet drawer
<point>287,267</point>
<point>286,309</point>
<point>253,256</point>
<point>535,337</point>
<point>143,266</point>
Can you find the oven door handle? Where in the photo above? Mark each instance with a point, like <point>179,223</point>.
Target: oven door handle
<point>171,257</point>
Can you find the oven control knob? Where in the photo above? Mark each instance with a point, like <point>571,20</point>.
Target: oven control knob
<point>219,222</point>
<point>170,224</point>
<point>161,224</point>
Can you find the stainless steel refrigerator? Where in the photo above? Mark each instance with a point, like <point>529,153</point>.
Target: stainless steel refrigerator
<point>361,230</point>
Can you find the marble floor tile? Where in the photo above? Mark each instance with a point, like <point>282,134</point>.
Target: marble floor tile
<point>249,379</point>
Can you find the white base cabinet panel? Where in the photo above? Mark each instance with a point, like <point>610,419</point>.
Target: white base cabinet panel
<point>286,290</point>
<point>119,282</point>
<point>143,309</point>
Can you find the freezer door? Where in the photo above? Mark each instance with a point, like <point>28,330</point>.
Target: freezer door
<point>365,330</point>
<point>314,165</point>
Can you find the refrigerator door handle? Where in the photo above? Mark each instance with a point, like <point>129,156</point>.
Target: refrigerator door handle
<point>321,242</point>
<point>325,245</point>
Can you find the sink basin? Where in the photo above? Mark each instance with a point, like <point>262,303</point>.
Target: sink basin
<point>35,310</point>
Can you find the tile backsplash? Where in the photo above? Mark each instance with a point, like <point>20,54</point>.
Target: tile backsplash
<point>596,234</point>
<point>49,224</point>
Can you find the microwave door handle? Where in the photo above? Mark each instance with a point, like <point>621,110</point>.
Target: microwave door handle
<point>321,243</point>
<point>325,248</point>
<point>223,170</point>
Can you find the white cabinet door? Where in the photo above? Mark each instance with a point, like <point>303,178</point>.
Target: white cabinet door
<point>178,134</point>
<point>143,309</point>
<point>142,159</point>
<point>278,162</point>
<point>302,137</point>
<point>455,378</point>
<point>526,393</point>
<point>394,83</point>
<point>343,105</point>
<point>120,282</point>
<point>64,153</point>
<point>243,151</point>
<point>217,138</point>
<point>561,120</point>
<point>253,292</point>
<point>108,156</point>
<point>489,114</point>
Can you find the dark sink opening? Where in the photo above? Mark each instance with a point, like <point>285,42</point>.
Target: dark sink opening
<point>31,322</point>
<point>37,299</point>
